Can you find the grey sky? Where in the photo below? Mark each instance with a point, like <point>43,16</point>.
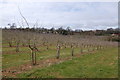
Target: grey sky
<point>77,15</point>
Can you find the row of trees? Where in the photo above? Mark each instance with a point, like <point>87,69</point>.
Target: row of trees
<point>34,41</point>
<point>61,30</point>
<point>67,31</point>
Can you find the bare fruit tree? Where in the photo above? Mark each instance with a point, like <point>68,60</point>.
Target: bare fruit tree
<point>72,48</point>
<point>33,53</point>
<point>17,45</point>
<point>34,48</point>
<point>58,51</point>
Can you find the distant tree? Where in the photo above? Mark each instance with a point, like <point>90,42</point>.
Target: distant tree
<point>78,30</point>
<point>59,30</point>
<point>110,31</point>
<point>68,29</point>
<point>13,26</point>
<point>52,30</point>
<point>5,28</point>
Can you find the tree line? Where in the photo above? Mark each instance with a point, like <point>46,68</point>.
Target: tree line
<point>67,31</point>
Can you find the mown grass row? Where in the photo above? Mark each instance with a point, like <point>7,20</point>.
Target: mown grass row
<point>102,64</point>
<point>16,59</point>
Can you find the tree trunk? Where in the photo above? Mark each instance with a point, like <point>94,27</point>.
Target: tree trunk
<point>72,51</point>
<point>58,52</point>
<point>47,47</point>
<point>17,47</point>
<point>35,58</point>
<point>32,58</point>
<point>10,44</point>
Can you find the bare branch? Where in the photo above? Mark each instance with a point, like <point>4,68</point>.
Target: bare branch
<point>23,16</point>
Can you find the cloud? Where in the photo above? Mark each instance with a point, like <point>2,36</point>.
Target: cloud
<point>83,15</point>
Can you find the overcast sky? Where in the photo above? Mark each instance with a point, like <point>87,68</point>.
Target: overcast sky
<point>77,15</point>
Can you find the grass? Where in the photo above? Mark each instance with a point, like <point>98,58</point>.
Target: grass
<point>16,59</point>
<point>102,64</point>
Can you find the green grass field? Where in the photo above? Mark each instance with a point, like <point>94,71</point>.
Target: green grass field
<point>102,64</point>
<point>98,64</point>
<point>11,58</point>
